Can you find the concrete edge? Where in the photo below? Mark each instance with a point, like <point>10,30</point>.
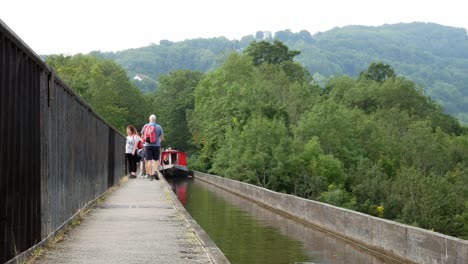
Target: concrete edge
<point>215,254</point>
<point>422,238</point>
<point>23,256</point>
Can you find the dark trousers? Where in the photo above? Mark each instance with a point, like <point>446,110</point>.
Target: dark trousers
<point>131,161</point>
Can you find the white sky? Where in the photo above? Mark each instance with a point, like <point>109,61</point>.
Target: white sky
<point>73,26</point>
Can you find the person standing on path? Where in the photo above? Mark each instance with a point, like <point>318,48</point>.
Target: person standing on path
<point>153,135</point>
<point>130,150</point>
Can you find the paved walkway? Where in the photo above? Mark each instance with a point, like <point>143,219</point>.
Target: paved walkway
<point>137,223</point>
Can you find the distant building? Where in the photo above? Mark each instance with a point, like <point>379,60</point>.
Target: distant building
<point>267,35</point>
<point>263,35</point>
<point>138,77</point>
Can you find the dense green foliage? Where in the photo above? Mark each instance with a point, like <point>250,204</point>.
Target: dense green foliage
<point>431,55</point>
<point>376,143</point>
<point>174,100</point>
<point>373,142</point>
<point>265,52</point>
<point>105,86</point>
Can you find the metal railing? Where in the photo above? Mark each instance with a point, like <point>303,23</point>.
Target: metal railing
<point>56,153</point>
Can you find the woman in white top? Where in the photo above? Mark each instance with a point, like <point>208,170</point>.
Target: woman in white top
<point>131,150</point>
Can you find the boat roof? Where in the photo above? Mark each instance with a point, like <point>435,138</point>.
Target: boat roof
<point>173,151</point>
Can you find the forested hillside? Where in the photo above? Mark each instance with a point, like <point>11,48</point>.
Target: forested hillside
<point>156,60</point>
<point>434,56</point>
<point>373,143</point>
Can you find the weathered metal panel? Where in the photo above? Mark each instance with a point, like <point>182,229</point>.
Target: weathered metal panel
<point>81,166</point>
<point>119,158</point>
<point>19,149</point>
<point>56,153</point>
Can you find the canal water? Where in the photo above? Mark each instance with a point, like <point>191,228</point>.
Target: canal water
<point>249,233</point>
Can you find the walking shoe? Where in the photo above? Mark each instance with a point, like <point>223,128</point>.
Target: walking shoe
<point>156,177</point>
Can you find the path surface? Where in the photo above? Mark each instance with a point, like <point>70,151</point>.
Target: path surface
<point>137,223</point>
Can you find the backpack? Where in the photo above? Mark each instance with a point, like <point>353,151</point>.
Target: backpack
<point>140,144</point>
<point>149,134</point>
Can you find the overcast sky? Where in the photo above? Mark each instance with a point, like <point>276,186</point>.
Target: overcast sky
<point>81,26</point>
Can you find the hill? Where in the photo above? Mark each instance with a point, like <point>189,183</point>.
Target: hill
<point>432,55</point>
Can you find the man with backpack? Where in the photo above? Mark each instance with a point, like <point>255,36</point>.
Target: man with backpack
<point>152,135</point>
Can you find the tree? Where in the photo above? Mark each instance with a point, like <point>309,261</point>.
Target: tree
<point>260,148</point>
<point>305,36</point>
<point>429,202</point>
<point>174,99</point>
<point>259,35</point>
<point>285,35</point>
<point>229,96</point>
<point>266,52</point>
<point>338,129</point>
<point>220,104</point>
<point>379,72</point>
<point>313,170</point>
<point>105,86</point>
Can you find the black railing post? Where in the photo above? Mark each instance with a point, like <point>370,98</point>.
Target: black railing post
<point>111,159</point>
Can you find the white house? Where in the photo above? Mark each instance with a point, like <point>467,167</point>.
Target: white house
<point>138,78</point>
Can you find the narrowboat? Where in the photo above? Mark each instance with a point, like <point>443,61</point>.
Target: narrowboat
<point>173,163</point>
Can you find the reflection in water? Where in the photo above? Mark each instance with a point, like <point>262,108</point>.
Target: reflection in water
<point>249,233</point>
<point>180,189</point>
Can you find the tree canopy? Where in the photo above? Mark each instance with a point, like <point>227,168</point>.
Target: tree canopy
<point>431,55</point>
<point>379,72</point>
<point>175,100</point>
<point>376,144</point>
<point>272,53</point>
<point>105,86</point>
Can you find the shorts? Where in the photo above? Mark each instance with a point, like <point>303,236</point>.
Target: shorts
<point>152,152</point>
